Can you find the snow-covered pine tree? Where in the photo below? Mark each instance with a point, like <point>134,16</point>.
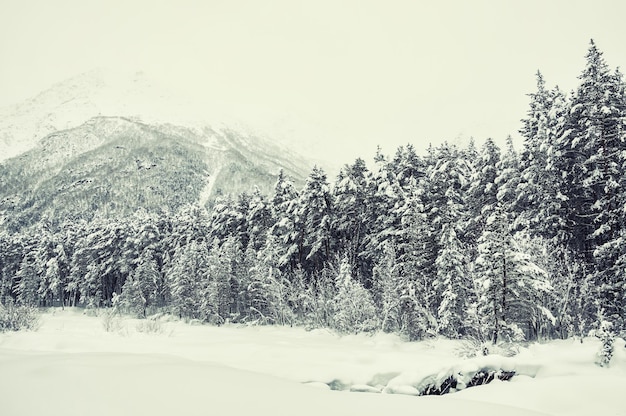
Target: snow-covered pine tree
<point>86,273</point>
<point>54,282</point>
<point>354,308</point>
<point>99,266</point>
<point>416,249</point>
<point>221,262</point>
<point>27,278</point>
<point>590,153</point>
<point>268,289</point>
<point>259,219</point>
<point>386,287</point>
<point>493,273</point>
<point>481,196</point>
<point>511,286</point>
<point>132,299</point>
<point>508,179</point>
<point>242,264</point>
<point>315,212</point>
<point>188,280</point>
<point>143,287</point>
<point>587,149</point>
<point>445,199</point>
<point>382,195</point>
<point>286,225</point>
<point>321,292</point>
<point>452,280</point>
<point>539,198</point>
<point>407,166</point>
<point>43,253</point>
<point>192,223</point>
<point>299,297</point>
<point>606,333</point>
<point>349,219</point>
<point>10,258</point>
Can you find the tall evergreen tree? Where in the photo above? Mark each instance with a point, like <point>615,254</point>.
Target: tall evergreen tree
<point>349,219</point>
<point>315,212</point>
<point>387,284</point>
<point>511,286</point>
<point>589,158</point>
<point>452,280</point>
<point>188,280</point>
<point>287,226</point>
<point>540,201</point>
<point>355,310</point>
<point>27,278</point>
<point>268,289</point>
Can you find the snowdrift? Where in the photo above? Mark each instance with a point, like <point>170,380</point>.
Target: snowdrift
<point>72,366</point>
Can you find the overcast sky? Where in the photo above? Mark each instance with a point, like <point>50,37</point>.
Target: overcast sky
<point>346,75</point>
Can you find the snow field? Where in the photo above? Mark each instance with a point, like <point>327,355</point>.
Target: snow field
<point>71,365</point>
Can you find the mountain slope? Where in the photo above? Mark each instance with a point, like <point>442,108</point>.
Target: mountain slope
<point>114,166</point>
<point>99,92</point>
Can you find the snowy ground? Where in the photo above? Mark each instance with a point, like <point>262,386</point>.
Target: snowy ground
<point>72,366</point>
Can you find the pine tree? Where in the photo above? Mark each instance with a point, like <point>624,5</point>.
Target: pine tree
<point>27,278</point>
<point>587,150</point>
<point>259,219</point>
<point>287,226</point>
<point>482,193</point>
<point>188,279</point>
<point>315,213</point>
<point>539,196</point>
<point>355,310</point>
<point>383,194</point>
<point>417,249</point>
<point>590,152</point>
<point>606,334</point>
<point>10,259</point>
<point>268,289</point>
<point>221,264</point>
<point>48,270</point>
<point>299,297</point>
<point>349,219</point>
<point>508,179</point>
<point>452,280</point>
<point>132,298</point>
<point>192,223</point>
<point>511,285</point>
<point>386,295</point>
<point>143,287</point>
<point>53,287</point>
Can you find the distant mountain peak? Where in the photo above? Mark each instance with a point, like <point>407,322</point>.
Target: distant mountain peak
<point>99,92</point>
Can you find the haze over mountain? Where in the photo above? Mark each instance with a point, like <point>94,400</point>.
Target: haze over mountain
<point>105,92</point>
<point>100,144</point>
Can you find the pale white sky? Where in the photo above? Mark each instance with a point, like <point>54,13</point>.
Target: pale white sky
<point>343,75</point>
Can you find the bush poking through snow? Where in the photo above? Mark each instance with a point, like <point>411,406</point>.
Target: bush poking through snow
<point>18,317</point>
<point>111,321</point>
<point>150,326</point>
<point>607,337</point>
<point>473,347</point>
<point>355,309</point>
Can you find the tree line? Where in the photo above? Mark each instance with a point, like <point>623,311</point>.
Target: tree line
<point>488,243</point>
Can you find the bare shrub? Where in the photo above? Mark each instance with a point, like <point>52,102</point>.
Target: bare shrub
<point>150,326</point>
<point>473,347</point>
<point>18,317</point>
<point>111,321</point>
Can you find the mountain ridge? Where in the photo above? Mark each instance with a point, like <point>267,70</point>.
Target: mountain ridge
<point>116,165</point>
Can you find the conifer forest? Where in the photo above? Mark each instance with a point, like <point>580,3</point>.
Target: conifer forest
<point>485,242</point>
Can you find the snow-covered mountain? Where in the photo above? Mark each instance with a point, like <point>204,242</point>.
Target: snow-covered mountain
<point>99,92</point>
<point>114,144</point>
